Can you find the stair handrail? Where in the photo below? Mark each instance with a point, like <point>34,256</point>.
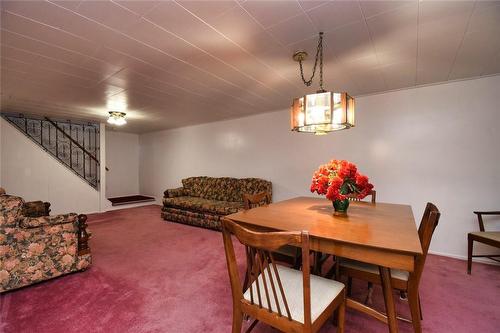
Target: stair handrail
<point>72,140</point>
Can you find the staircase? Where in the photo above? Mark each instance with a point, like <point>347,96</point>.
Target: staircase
<point>74,144</point>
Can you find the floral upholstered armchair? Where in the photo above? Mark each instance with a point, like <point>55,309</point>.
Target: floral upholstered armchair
<point>35,246</point>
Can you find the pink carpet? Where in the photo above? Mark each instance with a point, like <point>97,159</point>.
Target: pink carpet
<point>153,276</point>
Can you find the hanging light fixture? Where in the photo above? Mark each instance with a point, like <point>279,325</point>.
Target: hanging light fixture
<point>324,111</point>
<point>117,118</point>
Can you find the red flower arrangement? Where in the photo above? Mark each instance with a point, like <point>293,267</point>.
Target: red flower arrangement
<point>340,179</point>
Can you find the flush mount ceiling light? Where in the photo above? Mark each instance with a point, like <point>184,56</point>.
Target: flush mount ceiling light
<point>117,118</point>
<point>324,111</point>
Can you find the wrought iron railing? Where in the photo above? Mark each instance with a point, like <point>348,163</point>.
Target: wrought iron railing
<point>74,144</point>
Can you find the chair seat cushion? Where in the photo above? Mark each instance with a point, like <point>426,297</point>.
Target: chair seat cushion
<point>370,268</point>
<point>492,235</point>
<point>204,205</point>
<point>323,292</point>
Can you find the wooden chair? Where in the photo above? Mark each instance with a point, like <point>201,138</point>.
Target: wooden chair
<point>491,238</point>
<point>285,298</point>
<point>288,254</point>
<point>254,200</point>
<point>401,280</point>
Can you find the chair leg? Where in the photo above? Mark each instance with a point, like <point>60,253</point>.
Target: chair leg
<point>349,286</point>
<point>469,252</point>
<point>413,301</point>
<point>369,299</point>
<point>237,321</point>
<point>420,307</point>
<point>341,317</point>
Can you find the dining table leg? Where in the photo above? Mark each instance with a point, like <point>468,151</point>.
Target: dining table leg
<point>390,307</point>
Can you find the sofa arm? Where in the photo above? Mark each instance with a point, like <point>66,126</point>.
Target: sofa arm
<point>36,209</point>
<point>174,192</point>
<point>35,222</point>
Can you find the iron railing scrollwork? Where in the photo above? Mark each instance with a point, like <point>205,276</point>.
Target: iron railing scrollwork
<point>74,144</point>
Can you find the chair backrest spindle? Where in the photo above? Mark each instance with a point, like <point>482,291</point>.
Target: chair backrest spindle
<point>373,194</point>
<point>262,271</point>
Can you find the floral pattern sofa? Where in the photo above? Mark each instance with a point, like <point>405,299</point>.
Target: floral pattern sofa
<point>203,201</point>
<point>37,247</point>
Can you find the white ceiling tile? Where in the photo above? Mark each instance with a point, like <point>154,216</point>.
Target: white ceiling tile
<point>237,17</point>
<point>395,30</point>
<point>139,7</point>
<point>160,38</point>
<point>400,75</point>
<point>70,58</point>
<point>270,13</point>
<point>293,30</point>
<point>350,42</point>
<point>27,27</point>
<point>334,15</point>
<point>209,10</point>
<point>108,13</point>
<point>492,66</point>
<point>450,10</point>
<point>310,4</point>
<point>478,50</point>
<point>369,81</point>
<point>485,18</point>
<point>372,8</point>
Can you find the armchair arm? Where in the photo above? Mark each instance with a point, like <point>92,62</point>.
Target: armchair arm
<point>34,222</point>
<point>488,213</point>
<point>174,192</point>
<point>480,217</point>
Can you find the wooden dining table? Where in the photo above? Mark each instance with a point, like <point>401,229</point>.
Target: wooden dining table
<point>382,234</point>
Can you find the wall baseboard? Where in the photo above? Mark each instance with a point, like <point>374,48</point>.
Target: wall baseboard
<point>464,258</point>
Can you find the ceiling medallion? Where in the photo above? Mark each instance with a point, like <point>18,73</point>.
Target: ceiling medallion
<point>324,111</point>
<point>117,118</point>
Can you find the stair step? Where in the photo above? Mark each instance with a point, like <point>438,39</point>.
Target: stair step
<point>130,199</point>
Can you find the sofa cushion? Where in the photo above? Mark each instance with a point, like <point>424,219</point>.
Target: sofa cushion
<point>193,186</point>
<point>254,186</point>
<point>222,189</point>
<point>203,205</point>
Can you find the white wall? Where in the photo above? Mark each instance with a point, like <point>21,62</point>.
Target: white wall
<point>29,172</point>
<point>122,160</point>
<point>436,143</point>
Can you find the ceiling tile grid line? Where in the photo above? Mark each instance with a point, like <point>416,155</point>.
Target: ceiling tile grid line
<point>461,42</point>
<point>152,65</point>
<point>175,85</point>
<point>50,58</point>
<point>242,100</point>
<point>213,57</point>
<point>111,75</point>
<point>156,49</point>
<point>234,43</point>
<point>373,46</point>
<point>260,24</point>
<point>48,26</point>
<point>417,48</point>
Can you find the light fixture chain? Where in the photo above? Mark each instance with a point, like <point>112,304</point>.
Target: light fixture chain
<point>319,55</point>
<point>321,61</point>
